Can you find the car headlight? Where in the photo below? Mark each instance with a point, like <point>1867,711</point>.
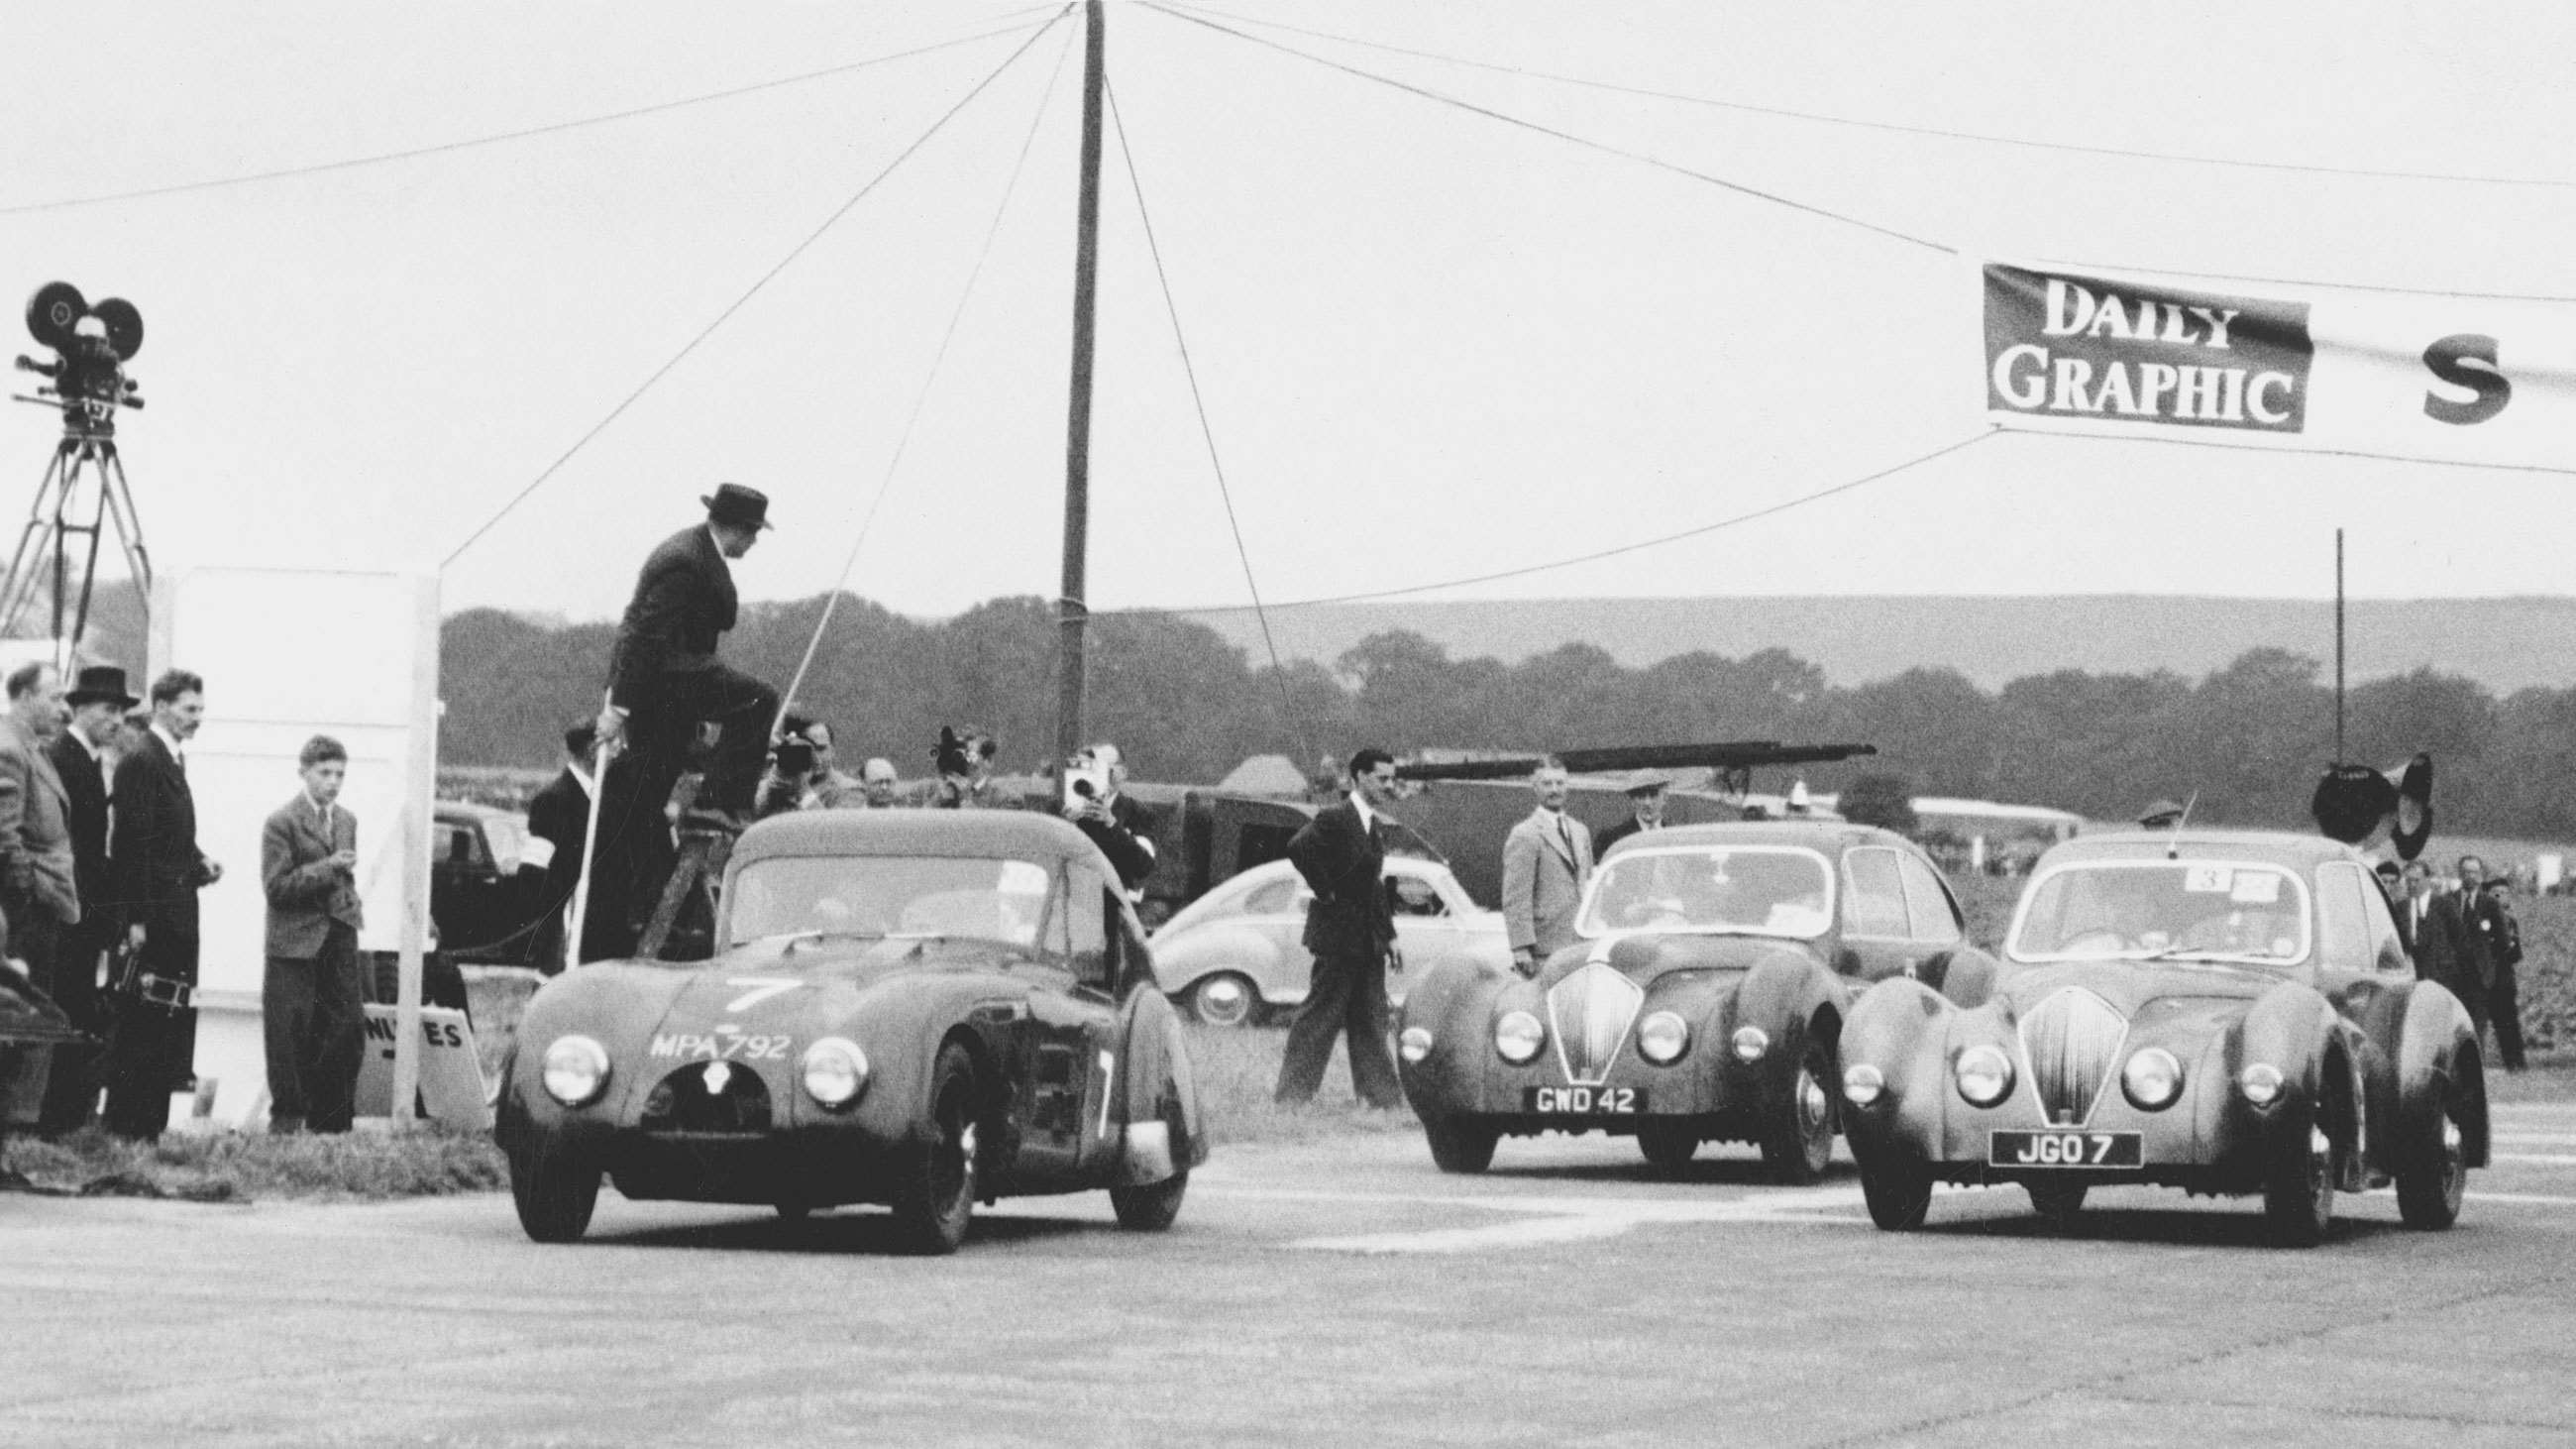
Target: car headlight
<point>1518,1036</point>
<point>1663,1037</point>
<point>2261,1084</point>
<point>1750,1043</point>
<point>836,1071</point>
<point>1984,1075</point>
<point>1862,1084</point>
<point>576,1070</point>
<point>1414,1044</point>
<point>2152,1079</point>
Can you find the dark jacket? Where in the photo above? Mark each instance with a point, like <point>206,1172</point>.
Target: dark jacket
<point>1343,866</point>
<point>157,866</point>
<point>559,814</point>
<point>306,892</point>
<point>1127,839</point>
<point>85,786</point>
<point>1602,842</point>
<point>684,600</point>
<point>2444,949</point>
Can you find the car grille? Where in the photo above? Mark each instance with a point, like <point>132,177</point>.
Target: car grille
<point>2073,1042</point>
<point>1588,1014</point>
<point>717,1098</point>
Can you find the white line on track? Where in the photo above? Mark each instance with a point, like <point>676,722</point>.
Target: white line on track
<point>2555,1159</point>
<point>1557,1219</point>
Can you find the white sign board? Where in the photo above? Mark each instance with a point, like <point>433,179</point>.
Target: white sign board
<point>451,1074</point>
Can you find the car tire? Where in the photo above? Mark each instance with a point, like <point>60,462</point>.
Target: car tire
<point>1798,1142</point>
<point>1224,999</point>
<point>1899,1196</point>
<point>1151,1207</point>
<point>554,1194</point>
<point>1461,1147</point>
<point>934,1190</point>
<point>2433,1176</point>
<point>2061,1203</point>
<point>1669,1146</point>
<point>2299,1182</point>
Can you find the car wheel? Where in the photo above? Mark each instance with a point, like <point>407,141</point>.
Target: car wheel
<point>2059,1202</point>
<point>1899,1196</point>
<point>554,1194</point>
<point>1225,999</point>
<point>1150,1208</point>
<point>1460,1146</point>
<point>2299,1183</point>
<point>934,1193</point>
<point>1669,1146</point>
<point>2433,1175</point>
<point>1798,1144</point>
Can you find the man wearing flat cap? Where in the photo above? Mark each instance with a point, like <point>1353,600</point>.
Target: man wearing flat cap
<point>98,700</point>
<point>1646,810</point>
<point>664,684</point>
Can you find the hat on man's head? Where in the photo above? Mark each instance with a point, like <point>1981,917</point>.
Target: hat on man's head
<point>100,682</point>
<point>737,507</point>
<point>1647,782</point>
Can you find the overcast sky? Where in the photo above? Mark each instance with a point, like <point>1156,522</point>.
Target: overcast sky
<point>1433,345</point>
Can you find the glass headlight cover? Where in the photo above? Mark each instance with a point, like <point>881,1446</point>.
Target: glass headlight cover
<point>1863,1084</point>
<point>1750,1042</point>
<point>2152,1079</point>
<point>2261,1084</point>
<point>1518,1036</point>
<point>1663,1037</point>
<point>576,1070</point>
<point>1414,1044</point>
<point>836,1071</point>
<point>1984,1075</point>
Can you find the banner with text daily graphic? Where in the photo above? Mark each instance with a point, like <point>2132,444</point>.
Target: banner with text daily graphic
<point>2443,379</point>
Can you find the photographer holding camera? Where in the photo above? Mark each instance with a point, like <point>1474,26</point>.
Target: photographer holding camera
<point>965,766</point>
<point>1115,823</point>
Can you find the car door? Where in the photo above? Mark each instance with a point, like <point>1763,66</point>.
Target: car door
<point>1426,925</point>
<point>1072,1027</point>
<point>1877,934</point>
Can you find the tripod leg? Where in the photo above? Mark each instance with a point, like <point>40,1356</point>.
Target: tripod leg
<point>129,524</point>
<point>21,585</point>
<point>89,574</point>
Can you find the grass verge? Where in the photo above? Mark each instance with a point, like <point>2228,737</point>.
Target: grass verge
<point>232,1167</point>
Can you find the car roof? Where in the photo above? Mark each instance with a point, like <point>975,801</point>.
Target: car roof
<point>2287,847</point>
<point>1824,835</point>
<point>974,834</point>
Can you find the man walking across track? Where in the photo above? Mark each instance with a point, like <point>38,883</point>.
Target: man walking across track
<point>314,1027</point>
<point>1341,853</point>
<point>158,871</point>
<point>97,700</point>
<point>1547,859</point>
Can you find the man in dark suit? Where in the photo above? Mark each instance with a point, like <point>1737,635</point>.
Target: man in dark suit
<point>78,755</point>
<point>1110,817</point>
<point>559,815</point>
<point>39,886</point>
<point>1341,853</point>
<point>2412,904</point>
<point>1646,812</point>
<point>2473,970</point>
<point>158,871</point>
<point>664,684</point>
<point>310,1017</point>
<point>2504,954</point>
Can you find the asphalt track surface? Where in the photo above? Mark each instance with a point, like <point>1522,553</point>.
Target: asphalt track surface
<point>1341,1292</point>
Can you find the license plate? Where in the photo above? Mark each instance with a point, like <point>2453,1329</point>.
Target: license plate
<point>2066,1149</point>
<point>1584,1101</point>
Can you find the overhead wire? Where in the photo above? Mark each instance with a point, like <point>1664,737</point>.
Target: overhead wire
<point>753,290</point>
<point>1586,142</point>
<point>1897,127</point>
<point>939,358</point>
<point>1207,431</point>
<point>1551,565</point>
<point>496,138</point>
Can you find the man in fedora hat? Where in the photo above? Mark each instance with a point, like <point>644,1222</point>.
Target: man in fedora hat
<point>98,701</point>
<point>1645,810</point>
<point>664,684</point>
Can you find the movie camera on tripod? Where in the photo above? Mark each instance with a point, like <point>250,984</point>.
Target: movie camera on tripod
<point>83,493</point>
<point>91,347</point>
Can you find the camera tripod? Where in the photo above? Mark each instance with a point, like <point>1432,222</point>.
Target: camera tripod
<point>85,469</point>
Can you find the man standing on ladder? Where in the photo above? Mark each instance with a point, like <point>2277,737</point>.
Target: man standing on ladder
<point>664,684</point>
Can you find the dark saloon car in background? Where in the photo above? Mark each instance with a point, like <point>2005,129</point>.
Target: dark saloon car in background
<point>919,1008</point>
<point>1716,966</point>
<point>2227,1012</point>
<point>486,901</point>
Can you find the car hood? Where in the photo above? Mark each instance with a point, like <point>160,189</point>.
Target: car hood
<point>1645,955</point>
<point>761,982</point>
<point>2133,987</point>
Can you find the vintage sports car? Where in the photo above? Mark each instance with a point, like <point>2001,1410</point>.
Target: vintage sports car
<point>2220,1011</point>
<point>918,1008</point>
<point>1702,1004</point>
<point>1237,953</point>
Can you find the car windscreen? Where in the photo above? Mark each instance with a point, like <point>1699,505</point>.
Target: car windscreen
<point>884,895</point>
<point>2206,910</point>
<point>1757,890</point>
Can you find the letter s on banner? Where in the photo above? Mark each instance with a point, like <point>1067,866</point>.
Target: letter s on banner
<point>2449,360</point>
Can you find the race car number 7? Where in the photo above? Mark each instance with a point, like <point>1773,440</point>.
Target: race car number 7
<point>762,988</point>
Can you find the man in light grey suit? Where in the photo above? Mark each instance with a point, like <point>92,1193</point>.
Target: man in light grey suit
<point>39,893</point>
<point>1547,861</point>
<point>313,1025</point>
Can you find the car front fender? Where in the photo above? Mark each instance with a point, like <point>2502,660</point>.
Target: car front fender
<point>2437,1050</point>
<point>1156,1075</point>
<point>1900,1027</point>
<point>1454,1000</point>
<point>1182,964</point>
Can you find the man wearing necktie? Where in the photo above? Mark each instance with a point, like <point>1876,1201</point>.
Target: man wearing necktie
<point>158,871</point>
<point>311,1020</point>
<point>1547,861</point>
<point>1341,854</point>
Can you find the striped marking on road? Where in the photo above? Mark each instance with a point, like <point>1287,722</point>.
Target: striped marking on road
<point>2554,1159</point>
<point>1536,1220</point>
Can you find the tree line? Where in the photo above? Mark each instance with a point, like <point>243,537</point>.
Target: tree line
<point>2248,740</point>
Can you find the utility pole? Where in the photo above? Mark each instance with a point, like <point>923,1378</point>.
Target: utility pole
<point>2338,646</point>
<point>1073,607</point>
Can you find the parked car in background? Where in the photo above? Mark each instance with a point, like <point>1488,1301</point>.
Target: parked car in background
<point>2227,1012</point>
<point>1237,954</point>
<point>1703,1003</point>
<point>485,903</point>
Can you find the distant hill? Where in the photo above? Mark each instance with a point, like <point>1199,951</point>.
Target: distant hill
<point>2504,644</point>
